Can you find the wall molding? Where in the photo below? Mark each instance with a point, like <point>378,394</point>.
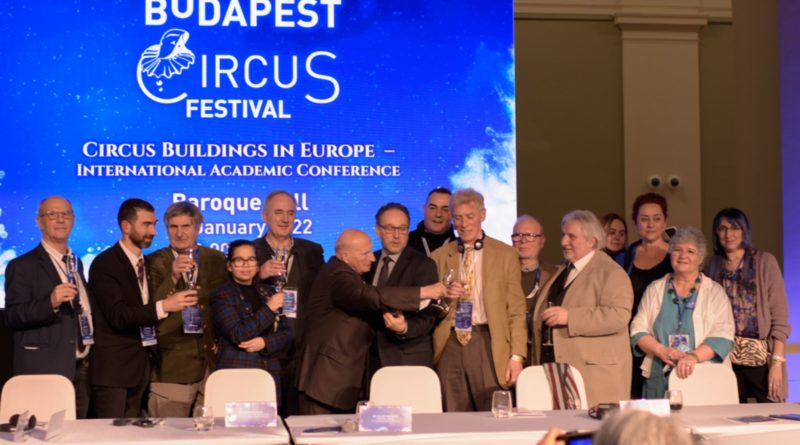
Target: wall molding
<point>711,10</point>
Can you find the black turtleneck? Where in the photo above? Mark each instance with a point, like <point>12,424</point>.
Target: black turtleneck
<point>434,241</point>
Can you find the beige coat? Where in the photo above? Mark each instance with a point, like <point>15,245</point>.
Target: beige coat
<point>596,339</point>
<point>502,299</point>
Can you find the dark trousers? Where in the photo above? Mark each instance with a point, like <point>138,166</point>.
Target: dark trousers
<point>467,372</point>
<point>116,402</point>
<point>309,406</point>
<point>637,379</point>
<point>83,392</point>
<point>753,383</point>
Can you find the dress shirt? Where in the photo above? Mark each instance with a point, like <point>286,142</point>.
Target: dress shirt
<point>134,259</point>
<point>56,258</point>
<point>578,267</point>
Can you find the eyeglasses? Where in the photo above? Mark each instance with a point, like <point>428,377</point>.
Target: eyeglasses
<point>402,230</point>
<point>527,237</point>
<point>726,229</point>
<point>239,261</point>
<point>52,215</point>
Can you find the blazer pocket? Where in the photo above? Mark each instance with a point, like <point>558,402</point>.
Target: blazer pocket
<point>334,355</point>
<point>599,356</point>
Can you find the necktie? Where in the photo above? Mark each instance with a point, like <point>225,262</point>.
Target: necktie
<point>467,274</point>
<point>555,296</point>
<point>76,303</point>
<point>140,271</point>
<point>383,277</point>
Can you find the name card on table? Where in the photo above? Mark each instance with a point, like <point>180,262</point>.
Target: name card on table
<point>249,414</point>
<point>659,407</point>
<point>394,418</point>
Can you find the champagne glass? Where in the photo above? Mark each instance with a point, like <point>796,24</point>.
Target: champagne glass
<point>549,340</point>
<point>190,276</point>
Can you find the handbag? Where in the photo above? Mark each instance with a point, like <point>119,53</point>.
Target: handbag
<point>749,351</point>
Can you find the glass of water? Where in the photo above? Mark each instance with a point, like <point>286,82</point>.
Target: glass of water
<point>203,418</point>
<point>501,404</point>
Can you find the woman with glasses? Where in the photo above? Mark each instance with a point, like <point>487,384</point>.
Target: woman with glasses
<point>646,260</point>
<point>754,284</point>
<point>249,332</point>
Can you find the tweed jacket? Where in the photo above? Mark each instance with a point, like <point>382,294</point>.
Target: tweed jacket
<point>185,358</point>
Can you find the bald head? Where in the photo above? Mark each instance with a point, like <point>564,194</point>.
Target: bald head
<point>354,248</point>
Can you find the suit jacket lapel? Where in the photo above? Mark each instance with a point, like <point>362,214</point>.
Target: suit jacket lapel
<point>399,268</point>
<point>47,265</point>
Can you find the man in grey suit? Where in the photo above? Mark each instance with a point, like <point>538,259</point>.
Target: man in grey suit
<point>582,315</point>
<point>46,301</point>
<point>406,339</point>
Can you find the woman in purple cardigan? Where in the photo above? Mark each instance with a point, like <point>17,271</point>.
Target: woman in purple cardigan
<point>754,284</point>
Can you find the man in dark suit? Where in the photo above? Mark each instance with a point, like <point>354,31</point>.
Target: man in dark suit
<point>436,228</point>
<point>528,239</point>
<point>333,364</point>
<point>46,301</point>
<point>186,356</point>
<point>298,269</point>
<point>125,315</point>
<point>406,337</point>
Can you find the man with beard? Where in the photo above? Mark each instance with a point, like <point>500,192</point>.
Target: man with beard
<point>435,229</point>
<point>125,316</point>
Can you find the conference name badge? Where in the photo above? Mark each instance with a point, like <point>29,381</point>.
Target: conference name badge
<point>148,334</point>
<point>290,302</point>
<point>251,414</point>
<point>391,418</point>
<point>464,316</point>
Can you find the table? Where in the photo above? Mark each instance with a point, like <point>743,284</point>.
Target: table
<point>472,428</point>
<point>712,423</point>
<point>172,431</point>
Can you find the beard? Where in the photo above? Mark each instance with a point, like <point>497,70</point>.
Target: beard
<point>142,241</point>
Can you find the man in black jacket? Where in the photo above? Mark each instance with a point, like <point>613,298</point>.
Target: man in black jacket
<point>405,338</point>
<point>125,316</point>
<point>298,269</point>
<point>436,228</point>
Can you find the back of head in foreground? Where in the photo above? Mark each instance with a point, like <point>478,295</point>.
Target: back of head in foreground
<point>633,427</point>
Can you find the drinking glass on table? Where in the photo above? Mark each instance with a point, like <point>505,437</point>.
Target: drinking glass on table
<point>203,418</point>
<point>501,404</point>
<point>675,397</point>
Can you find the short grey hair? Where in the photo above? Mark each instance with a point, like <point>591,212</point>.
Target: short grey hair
<point>633,427</point>
<point>183,208</point>
<point>275,193</point>
<point>590,226</point>
<point>690,235</point>
<point>466,196</point>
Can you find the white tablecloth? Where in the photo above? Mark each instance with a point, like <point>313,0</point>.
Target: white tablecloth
<point>172,431</point>
<point>711,422</point>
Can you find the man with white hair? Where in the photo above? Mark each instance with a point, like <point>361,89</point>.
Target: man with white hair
<point>480,346</point>
<point>342,306</point>
<point>582,315</point>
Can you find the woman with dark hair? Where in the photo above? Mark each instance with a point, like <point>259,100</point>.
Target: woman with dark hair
<point>753,281</point>
<point>246,322</point>
<point>646,260</point>
<point>616,234</point>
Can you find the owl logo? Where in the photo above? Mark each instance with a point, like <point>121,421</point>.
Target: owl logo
<point>170,57</point>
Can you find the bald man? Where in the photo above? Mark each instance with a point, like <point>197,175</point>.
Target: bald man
<point>340,311</point>
<point>47,304</point>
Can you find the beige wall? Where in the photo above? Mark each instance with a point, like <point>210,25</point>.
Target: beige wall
<point>569,120</point>
<point>570,130</point>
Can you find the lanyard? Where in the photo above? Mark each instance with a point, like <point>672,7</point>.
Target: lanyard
<point>427,248</point>
<point>691,300</point>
